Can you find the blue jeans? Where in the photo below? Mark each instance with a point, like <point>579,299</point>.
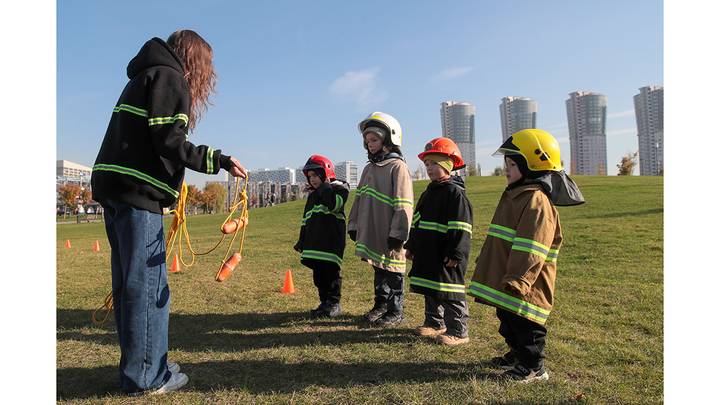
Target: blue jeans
<point>141,295</point>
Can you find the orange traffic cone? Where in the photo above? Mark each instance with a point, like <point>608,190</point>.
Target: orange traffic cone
<point>288,286</point>
<point>175,268</point>
<point>96,246</point>
<point>68,244</point>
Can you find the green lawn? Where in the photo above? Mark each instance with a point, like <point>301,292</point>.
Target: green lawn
<point>242,341</point>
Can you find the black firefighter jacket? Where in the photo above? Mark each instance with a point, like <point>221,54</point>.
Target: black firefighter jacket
<point>322,234</point>
<point>441,227</point>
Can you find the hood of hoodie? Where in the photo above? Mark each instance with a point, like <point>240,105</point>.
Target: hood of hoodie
<point>155,52</point>
<point>560,188</point>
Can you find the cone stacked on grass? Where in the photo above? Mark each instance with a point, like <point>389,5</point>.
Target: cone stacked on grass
<point>288,286</point>
<point>96,246</point>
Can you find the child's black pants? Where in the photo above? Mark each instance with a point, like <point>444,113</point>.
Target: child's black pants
<point>328,281</point>
<point>525,337</point>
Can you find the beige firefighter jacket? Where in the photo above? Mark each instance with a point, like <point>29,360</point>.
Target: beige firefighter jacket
<point>516,268</point>
<point>383,208</point>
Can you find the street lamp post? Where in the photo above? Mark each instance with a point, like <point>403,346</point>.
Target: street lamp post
<point>79,201</point>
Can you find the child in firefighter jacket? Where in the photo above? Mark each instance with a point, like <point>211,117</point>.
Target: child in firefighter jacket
<point>439,245</point>
<point>516,269</point>
<point>322,234</point>
<point>379,221</point>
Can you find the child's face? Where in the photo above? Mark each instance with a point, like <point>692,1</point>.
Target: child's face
<point>435,171</point>
<point>512,171</point>
<point>314,179</point>
<point>373,142</point>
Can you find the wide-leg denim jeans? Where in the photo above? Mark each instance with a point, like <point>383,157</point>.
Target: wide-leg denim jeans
<point>141,295</point>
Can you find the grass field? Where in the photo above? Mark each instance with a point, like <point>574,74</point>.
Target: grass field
<point>242,341</point>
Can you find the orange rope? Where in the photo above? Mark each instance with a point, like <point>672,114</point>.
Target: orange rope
<point>179,223</point>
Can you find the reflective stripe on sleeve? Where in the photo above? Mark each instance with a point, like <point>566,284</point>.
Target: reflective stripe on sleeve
<point>168,120</point>
<point>209,160</point>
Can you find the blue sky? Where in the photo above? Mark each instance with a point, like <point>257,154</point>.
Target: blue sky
<point>295,77</point>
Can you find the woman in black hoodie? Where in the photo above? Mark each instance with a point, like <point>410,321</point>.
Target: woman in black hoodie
<point>138,171</point>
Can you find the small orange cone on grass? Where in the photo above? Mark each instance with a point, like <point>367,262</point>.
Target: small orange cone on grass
<point>288,286</point>
<point>96,246</point>
<point>68,244</point>
<point>175,268</point>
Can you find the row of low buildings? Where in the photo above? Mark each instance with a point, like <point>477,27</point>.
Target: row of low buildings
<point>587,129</point>
<point>266,187</point>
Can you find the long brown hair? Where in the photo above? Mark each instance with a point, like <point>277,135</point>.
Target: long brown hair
<point>196,55</point>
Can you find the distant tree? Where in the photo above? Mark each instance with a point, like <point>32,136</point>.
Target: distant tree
<point>69,194</point>
<point>85,195</point>
<point>498,171</point>
<point>194,198</point>
<point>472,171</point>
<point>215,196</point>
<point>627,164</point>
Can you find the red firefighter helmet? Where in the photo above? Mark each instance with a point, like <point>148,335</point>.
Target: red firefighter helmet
<point>444,146</point>
<point>320,162</point>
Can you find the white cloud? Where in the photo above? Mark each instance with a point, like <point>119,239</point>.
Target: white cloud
<point>453,73</point>
<point>620,114</point>
<point>360,87</point>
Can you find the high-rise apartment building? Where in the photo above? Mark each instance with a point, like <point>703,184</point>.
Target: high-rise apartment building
<point>517,113</point>
<point>347,171</point>
<point>649,119</point>
<point>458,124</point>
<point>587,119</point>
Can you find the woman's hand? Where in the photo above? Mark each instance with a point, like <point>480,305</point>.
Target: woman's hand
<point>237,170</point>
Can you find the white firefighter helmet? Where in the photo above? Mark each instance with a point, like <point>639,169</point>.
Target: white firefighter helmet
<point>388,122</point>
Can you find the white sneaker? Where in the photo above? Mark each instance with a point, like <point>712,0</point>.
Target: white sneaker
<point>173,367</point>
<point>176,381</point>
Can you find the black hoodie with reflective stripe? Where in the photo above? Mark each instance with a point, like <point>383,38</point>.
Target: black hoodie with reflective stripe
<point>145,151</point>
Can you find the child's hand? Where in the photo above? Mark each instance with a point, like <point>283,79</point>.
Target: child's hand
<point>512,288</point>
<point>394,244</point>
<point>450,263</point>
<point>409,255</point>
